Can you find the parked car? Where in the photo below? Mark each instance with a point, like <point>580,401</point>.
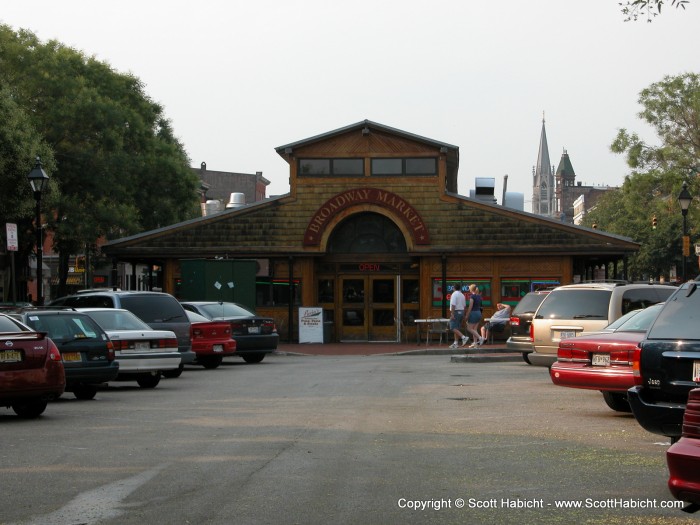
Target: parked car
<point>142,352</point>
<point>575,309</point>
<point>255,336</point>
<point>604,361</point>
<point>520,321</point>
<point>86,351</point>
<point>211,340</point>
<point>31,371</point>
<point>669,364</point>
<point>683,457</point>
<point>160,311</point>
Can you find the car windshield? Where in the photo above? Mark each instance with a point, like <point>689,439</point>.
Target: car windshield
<point>575,304</point>
<point>529,303</point>
<point>679,318</point>
<point>65,327</point>
<point>154,308</point>
<point>225,310</point>
<point>118,320</point>
<point>637,320</point>
<point>196,318</point>
<point>7,324</point>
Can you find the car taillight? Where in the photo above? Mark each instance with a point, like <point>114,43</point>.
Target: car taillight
<point>636,368</point>
<point>515,321</point>
<point>54,354</point>
<point>110,351</point>
<point>691,418</point>
<point>564,353</point>
<point>269,326</point>
<point>197,332</point>
<point>532,333</point>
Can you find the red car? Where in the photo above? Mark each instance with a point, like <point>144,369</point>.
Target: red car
<point>211,340</point>
<point>605,360</point>
<point>31,370</point>
<point>683,458</point>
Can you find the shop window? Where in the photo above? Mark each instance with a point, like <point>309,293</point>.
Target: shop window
<point>383,317</point>
<point>410,166</point>
<point>410,291</point>
<point>339,167</point>
<point>367,232</point>
<point>463,283</point>
<point>512,290</point>
<point>383,291</point>
<point>275,292</point>
<point>326,291</point>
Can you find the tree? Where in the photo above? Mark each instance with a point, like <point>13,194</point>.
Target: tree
<point>672,108</point>
<point>114,149</point>
<point>632,9</point>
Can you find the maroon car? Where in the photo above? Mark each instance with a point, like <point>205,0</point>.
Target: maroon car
<point>31,370</point>
<point>605,360</point>
<point>683,457</point>
<point>211,340</point>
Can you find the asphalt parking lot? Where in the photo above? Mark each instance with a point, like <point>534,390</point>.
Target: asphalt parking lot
<point>363,439</point>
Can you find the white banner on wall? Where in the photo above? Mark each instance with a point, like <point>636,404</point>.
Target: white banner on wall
<point>310,324</point>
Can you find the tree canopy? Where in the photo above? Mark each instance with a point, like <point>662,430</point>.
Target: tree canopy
<point>633,9</point>
<point>115,164</point>
<point>672,108</point>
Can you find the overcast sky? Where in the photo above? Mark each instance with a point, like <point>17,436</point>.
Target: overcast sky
<point>239,78</point>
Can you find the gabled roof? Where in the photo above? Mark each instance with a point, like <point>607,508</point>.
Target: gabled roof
<point>283,150</point>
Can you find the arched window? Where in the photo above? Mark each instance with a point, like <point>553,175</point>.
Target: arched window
<point>367,233</point>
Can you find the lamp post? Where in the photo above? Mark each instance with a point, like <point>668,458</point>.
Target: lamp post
<point>38,179</point>
<point>684,199</point>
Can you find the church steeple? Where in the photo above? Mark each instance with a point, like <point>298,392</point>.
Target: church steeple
<point>543,198</point>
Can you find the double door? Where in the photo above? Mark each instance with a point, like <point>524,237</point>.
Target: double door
<point>368,307</point>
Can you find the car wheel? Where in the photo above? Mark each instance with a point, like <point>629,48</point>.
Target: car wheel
<point>172,374</point>
<point>526,357</point>
<point>616,401</point>
<point>148,380</point>
<point>30,409</point>
<point>253,358</point>
<point>211,361</point>
<point>85,392</point>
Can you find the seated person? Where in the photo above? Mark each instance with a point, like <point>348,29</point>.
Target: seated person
<point>500,317</point>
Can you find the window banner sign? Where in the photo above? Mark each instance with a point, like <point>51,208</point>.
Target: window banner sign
<point>310,324</point>
<point>11,236</point>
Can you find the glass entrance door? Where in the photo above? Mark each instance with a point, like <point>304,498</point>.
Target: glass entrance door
<point>368,305</point>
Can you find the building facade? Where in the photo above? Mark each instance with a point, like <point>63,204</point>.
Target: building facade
<point>374,232</point>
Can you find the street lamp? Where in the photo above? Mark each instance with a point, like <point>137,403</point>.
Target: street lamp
<point>684,199</point>
<point>38,179</point>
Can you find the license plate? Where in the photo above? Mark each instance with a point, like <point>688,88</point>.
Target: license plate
<point>253,329</point>
<point>600,359</point>
<point>566,335</point>
<point>696,371</point>
<point>218,348</point>
<point>71,356</point>
<point>10,356</point>
<point>142,346</point>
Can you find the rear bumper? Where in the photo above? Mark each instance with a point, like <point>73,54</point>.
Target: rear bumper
<point>610,379</point>
<point>148,362</point>
<point>256,343</point>
<point>519,344</point>
<point>187,356</point>
<point>91,375</point>
<point>665,419</point>
<point>228,348</point>
<point>538,359</point>
<point>683,460</point>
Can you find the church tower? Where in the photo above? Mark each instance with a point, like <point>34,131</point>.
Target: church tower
<point>543,188</point>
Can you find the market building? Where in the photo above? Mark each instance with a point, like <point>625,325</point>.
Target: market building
<point>373,230</point>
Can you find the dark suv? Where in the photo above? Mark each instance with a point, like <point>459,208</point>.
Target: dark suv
<point>520,321</point>
<point>160,311</point>
<point>669,364</point>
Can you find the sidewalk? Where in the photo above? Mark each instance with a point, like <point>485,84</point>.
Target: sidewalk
<point>485,353</point>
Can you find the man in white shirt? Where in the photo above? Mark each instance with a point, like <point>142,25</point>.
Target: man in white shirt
<point>457,305</point>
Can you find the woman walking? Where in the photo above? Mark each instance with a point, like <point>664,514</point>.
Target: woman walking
<point>473,315</point>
